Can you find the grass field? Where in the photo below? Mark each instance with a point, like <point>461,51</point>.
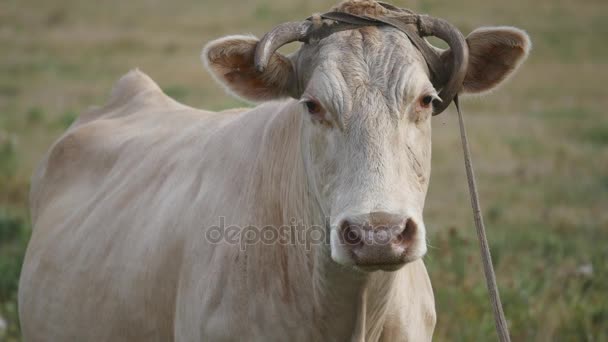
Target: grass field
<point>540,143</point>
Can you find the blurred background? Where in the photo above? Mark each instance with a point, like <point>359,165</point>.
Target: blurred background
<point>540,143</point>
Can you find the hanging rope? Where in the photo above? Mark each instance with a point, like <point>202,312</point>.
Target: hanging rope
<point>488,270</point>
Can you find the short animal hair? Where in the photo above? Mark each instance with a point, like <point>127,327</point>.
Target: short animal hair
<point>361,7</point>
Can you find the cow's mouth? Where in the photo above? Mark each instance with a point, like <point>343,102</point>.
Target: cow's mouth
<point>380,267</point>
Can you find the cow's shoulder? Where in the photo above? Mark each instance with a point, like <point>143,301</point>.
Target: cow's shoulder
<point>137,116</point>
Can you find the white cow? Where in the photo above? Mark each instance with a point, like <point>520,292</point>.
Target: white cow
<point>140,209</point>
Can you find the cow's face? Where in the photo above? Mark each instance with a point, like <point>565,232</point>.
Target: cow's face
<point>366,102</point>
<point>367,114</point>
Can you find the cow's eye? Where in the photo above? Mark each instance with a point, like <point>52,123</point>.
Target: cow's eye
<point>313,107</point>
<point>426,101</point>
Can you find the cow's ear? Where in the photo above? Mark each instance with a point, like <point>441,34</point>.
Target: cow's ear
<point>494,54</point>
<point>230,61</point>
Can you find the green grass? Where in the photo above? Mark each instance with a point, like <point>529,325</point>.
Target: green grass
<point>14,234</point>
<point>547,289</point>
<point>540,143</point>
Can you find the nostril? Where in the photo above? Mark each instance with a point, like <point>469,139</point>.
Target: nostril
<point>350,236</point>
<point>408,233</point>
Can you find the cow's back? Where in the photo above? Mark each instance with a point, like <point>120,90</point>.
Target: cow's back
<point>107,242</point>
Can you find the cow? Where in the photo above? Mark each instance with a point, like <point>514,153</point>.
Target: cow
<point>145,211</point>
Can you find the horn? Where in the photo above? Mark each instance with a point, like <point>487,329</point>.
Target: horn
<point>282,34</point>
<point>430,26</point>
<point>312,28</point>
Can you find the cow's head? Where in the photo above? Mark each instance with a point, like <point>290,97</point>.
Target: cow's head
<point>367,98</point>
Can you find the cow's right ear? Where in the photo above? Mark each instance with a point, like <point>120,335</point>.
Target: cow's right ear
<point>230,61</point>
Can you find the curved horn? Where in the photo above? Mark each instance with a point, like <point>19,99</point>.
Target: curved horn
<point>430,26</point>
<point>280,35</point>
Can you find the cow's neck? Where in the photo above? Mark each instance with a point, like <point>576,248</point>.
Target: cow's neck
<point>343,301</point>
<point>349,303</point>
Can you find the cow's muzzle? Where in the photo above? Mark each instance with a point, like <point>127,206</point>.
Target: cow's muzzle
<point>379,240</point>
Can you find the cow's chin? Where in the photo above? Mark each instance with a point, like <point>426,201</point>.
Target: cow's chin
<point>379,267</point>
<point>390,260</point>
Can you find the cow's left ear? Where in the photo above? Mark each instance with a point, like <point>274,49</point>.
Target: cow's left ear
<point>494,54</point>
<point>230,61</point>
